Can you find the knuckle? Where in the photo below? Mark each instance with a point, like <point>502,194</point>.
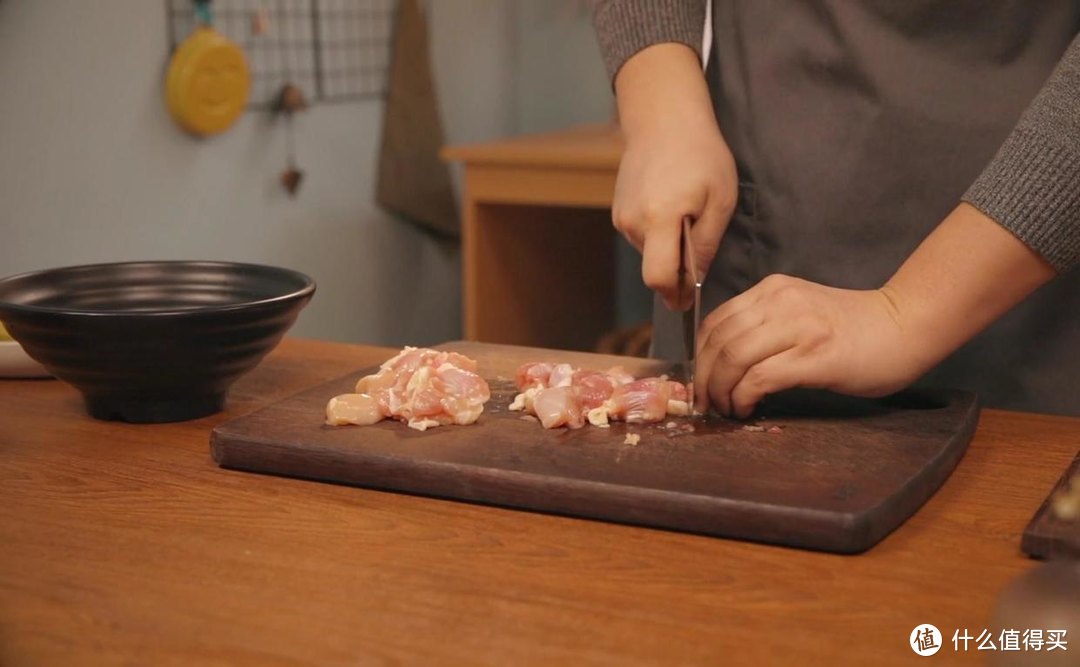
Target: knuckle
<point>774,281</point>
<point>651,210</point>
<point>623,218</point>
<point>745,320</point>
<point>654,279</point>
<point>725,203</point>
<point>755,377</point>
<point>712,319</point>
<point>788,295</point>
<point>729,354</point>
<point>618,218</point>
<point>787,290</point>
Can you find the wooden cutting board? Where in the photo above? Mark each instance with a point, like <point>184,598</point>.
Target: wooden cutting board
<point>840,476</point>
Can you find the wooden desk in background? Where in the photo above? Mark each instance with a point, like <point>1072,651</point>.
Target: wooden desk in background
<point>538,248</point>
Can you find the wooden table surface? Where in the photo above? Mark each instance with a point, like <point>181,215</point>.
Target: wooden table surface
<point>125,544</point>
<point>590,146</point>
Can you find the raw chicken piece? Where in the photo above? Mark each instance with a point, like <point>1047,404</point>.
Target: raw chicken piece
<point>418,386</point>
<point>543,374</point>
<point>596,387</point>
<point>562,375</point>
<point>678,390</point>
<point>641,400</point>
<point>678,408</point>
<point>596,396</point>
<point>360,409</point>
<point>533,374</point>
<point>678,403</point>
<point>559,406</point>
<point>559,394</point>
<point>464,392</point>
<point>619,375</point>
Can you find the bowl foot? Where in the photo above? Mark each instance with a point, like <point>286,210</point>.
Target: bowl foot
<point>154,411</point>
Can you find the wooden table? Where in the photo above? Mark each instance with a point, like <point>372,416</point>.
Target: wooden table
<point>537,231</point>
<point>125,544</point>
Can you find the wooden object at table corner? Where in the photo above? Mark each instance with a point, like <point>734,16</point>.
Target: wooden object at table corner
<point>538,255</point>
<point>1047,535</point>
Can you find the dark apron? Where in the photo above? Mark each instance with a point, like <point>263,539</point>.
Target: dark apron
<point>857,126</point>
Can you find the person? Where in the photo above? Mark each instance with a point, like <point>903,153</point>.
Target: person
<point>883,193</point>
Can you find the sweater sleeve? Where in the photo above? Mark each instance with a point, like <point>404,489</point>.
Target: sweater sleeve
<point>1032,186</point>
<point>624,27</point>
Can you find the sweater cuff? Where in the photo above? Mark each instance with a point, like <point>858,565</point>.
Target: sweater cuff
<point>623,27</point>
<point>1032,188</point>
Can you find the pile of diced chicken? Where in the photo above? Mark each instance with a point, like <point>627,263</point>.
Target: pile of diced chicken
<point>425,388</point>
<point>561,395</point>
<point>420,387</point>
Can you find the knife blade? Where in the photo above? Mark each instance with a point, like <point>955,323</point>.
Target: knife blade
<point>691,278</point>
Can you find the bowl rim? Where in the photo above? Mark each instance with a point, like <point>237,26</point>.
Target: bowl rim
<point>306,290</point>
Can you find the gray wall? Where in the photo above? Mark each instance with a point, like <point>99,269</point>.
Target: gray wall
<point>514,66</point>
<point>92,168</point>
<point>561,79</point>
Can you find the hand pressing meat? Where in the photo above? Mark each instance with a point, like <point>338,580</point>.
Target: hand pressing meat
<point>420,387</point>
<point>560,395</point>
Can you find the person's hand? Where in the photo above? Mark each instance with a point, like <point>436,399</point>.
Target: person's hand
<point>674,172</point>
<point>676,164</point>
<point>785,332</point>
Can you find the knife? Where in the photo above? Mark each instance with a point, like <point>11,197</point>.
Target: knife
<point>689,276</point>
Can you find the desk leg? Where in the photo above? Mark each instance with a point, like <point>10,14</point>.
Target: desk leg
<point>538,275</point>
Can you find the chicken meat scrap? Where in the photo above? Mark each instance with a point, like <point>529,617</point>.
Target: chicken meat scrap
<point>561,395</point>
<point>420,387</point>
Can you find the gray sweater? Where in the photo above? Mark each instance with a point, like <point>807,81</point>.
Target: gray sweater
<point>1032,185</point>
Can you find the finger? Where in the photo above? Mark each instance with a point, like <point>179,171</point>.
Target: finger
<point>660,260</point>
<point>634,239</point>
<point>738,355</point>
<point>735,304</point>
<point>716,337</point>
<point>705,353</point>
<point>629,227</point>
<point>785,370</point>
<point>707,234</point>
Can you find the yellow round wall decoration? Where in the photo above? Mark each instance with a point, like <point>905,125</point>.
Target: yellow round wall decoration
<point>207,84</point>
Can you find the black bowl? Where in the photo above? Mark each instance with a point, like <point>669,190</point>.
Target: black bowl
<point>152,342</point>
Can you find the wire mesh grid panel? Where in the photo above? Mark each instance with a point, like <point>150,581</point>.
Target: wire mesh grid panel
<point>331,49</point>
<point>353,39</point>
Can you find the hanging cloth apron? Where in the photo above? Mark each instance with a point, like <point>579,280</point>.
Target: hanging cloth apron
<point>856,127</point>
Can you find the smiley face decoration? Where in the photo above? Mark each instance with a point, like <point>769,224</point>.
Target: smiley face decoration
<point>208,80</point>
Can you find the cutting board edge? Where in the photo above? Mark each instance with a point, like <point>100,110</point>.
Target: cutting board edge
<point>922,486</point>
<point>822,530</point>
